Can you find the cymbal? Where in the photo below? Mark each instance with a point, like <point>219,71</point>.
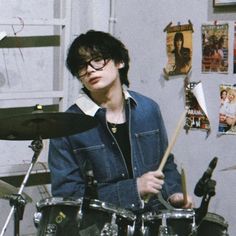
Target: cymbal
<point>31,126</point>
<point>229,168</point>
<point>6,190</point>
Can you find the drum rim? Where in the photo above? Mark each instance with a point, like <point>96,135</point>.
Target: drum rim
<point>94,204</point>
<point>176,213</point>
<point>108,207</point>
<point>51,201</point>
<point>216,218</point>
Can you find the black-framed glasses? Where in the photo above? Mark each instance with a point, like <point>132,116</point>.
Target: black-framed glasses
<point>96,63</point>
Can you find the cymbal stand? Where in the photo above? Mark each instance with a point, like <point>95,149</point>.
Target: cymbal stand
<point>18,202</point>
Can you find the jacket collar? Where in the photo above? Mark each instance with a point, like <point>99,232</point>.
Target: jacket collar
<point>89,107</point>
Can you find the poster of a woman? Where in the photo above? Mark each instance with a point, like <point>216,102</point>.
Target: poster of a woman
<point>179,50</point>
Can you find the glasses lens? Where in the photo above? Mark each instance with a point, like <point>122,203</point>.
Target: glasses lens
<point>96,63</point>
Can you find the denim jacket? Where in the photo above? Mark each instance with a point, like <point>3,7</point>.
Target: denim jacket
<point>148,140</point>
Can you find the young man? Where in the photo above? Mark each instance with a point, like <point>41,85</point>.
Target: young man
<point>125,149</point>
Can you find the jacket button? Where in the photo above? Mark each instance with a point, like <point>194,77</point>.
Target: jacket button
<point>123,174</point>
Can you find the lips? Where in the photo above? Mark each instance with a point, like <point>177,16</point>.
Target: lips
<point>94,80</point>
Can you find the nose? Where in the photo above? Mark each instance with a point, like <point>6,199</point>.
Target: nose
<point>90,69</point>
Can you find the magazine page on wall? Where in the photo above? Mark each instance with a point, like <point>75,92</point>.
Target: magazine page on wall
<point>197,115</point>
<point>234,52</point>
<point>215,48</point>
<point>227,111</point>
<point>179,50</point>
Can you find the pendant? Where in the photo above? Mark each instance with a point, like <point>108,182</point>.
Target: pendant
<point>114,130</point>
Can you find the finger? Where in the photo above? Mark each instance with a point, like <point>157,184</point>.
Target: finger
<point>159,174</point>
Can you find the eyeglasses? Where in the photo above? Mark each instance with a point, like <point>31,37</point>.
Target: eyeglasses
<point>96,63</point>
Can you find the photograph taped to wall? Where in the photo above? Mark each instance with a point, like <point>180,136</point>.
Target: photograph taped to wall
<point>196,117</point>
<point>179,49</point>
<point>227,111</point>
<point>234,62</point>
<point>215,48</point>
<point>220,3</point>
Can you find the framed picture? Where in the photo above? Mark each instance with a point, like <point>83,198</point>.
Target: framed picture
<point>220,3</point>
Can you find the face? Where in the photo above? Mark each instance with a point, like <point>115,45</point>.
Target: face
<point>179,43</point>
<point>224,95</point>
<point>231,95</point>
<point>97,75</point>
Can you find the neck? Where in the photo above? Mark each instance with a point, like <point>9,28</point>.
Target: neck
<point>110,98</point>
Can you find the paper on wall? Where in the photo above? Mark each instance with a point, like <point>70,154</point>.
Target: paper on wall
<point>3,34</point>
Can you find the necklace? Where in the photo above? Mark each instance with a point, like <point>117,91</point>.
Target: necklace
<point>113,128</point>
<point>119,118</point>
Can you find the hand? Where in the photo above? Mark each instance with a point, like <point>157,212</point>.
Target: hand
<point>177,200</point>
<point>150,183</point>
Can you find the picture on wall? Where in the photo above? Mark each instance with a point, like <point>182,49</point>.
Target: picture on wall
<point>227,111</point>
<point>179,49</point>
<point>234,62</point>
<point>221,3</point>
<point>215,48</point>
<point>197,117</point>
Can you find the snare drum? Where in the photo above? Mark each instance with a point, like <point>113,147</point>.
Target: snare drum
<point>213,225</point>
<point>174,222</point>
<point>60,217</point>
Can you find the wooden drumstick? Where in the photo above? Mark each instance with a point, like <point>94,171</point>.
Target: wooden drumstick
<point>170,146</point>
<point>184,187</point>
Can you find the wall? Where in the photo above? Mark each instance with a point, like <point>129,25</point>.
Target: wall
<point>140,25</point>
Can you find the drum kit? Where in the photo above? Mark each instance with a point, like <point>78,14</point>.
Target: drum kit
<point>58,216</point>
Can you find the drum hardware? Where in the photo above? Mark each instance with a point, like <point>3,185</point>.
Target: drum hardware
<point>110,229</point>
<point>101,218</point>
<point>163,230</point>
<point>205,187</point>
<point>90,191</point>
<point>36,126</point>
<point>7,190</point>
<point>174,222</point>
<point>201,187</point>
<point>36,146</point>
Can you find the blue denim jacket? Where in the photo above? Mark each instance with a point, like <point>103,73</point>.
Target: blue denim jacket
<point>148,140</point>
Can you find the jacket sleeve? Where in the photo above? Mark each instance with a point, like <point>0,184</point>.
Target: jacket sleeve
<point>66,179</point>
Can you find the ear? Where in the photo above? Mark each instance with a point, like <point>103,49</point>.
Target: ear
<point>121,65</point>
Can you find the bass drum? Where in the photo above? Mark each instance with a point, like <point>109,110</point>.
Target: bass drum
<point>61,217</point>
<point>213,225</point>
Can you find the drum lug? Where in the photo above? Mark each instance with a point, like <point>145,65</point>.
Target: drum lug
<point>37,218</point>
<point>163,229</point>
<point>110,229</point>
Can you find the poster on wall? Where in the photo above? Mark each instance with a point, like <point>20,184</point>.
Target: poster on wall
<point>215,48</point>
<point>197,115</point>
<point>227,111</point>
<point>179,49</point>
<point>234,62</point>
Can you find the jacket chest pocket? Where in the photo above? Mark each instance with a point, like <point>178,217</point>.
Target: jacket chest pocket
<point>149,147</point>
<point>98,158</point>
